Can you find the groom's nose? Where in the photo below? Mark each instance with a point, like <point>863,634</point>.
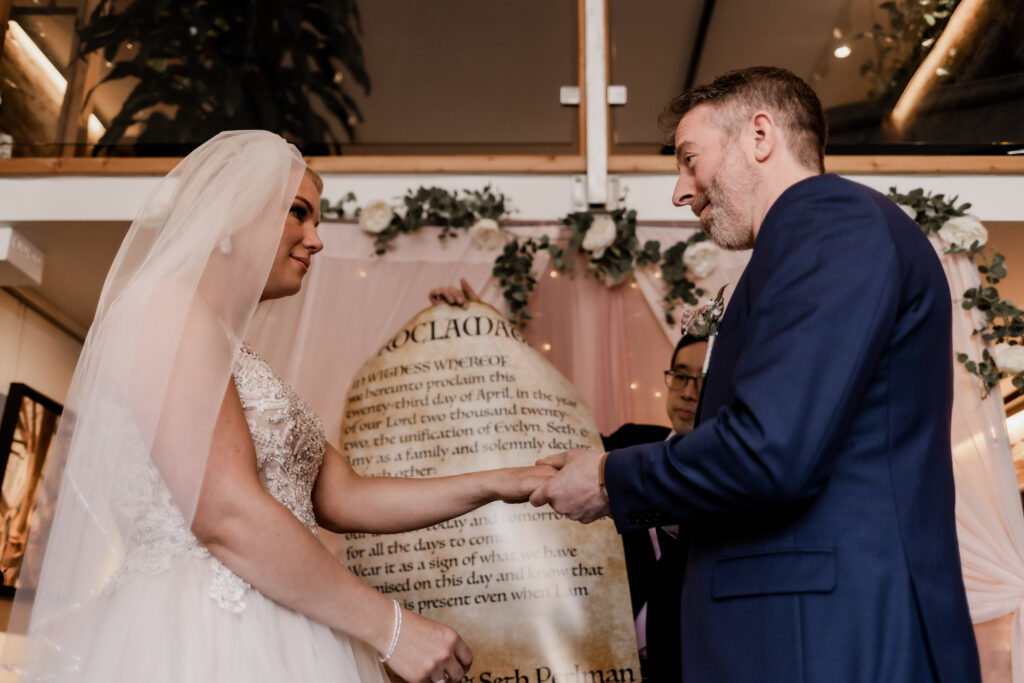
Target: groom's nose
<point>684,190</point>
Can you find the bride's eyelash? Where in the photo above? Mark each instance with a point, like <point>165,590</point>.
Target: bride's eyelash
<point>299,211</point>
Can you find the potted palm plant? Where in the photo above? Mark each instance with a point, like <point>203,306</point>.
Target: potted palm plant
<point>203,66</point>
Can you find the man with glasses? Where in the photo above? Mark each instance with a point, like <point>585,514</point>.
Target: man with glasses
<point>655,557</point>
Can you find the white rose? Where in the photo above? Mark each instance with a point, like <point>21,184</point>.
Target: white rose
<point>375,217</point>
<point>1009,358</point>
<point>600,235</point>
<point>964,231</point>
<point>701,259</point>
<point>909,210</point>
<point>486,234</point>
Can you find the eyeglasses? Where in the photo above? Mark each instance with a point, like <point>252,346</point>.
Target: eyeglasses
<point>678,381</point>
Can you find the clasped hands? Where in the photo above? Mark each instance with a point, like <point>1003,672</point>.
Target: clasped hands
<point>575,489</point>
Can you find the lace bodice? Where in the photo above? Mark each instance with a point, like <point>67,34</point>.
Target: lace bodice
<point>289,440</point>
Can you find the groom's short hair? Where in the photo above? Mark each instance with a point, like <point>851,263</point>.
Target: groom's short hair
<point>737,94</point>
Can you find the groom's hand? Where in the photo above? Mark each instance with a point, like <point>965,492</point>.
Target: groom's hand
<point>576,490</point>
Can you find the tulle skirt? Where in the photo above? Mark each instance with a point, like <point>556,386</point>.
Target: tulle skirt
<point>167,629</point>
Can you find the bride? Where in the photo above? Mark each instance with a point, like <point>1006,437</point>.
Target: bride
<point>192,480</point>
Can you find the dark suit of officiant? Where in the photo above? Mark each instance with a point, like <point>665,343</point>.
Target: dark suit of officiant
<point>653,580</point>
<point>818,489</point>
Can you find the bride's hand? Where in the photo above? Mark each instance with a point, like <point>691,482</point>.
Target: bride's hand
<point>515,484</point>
<point>428,651</point>
<point>456,296</point>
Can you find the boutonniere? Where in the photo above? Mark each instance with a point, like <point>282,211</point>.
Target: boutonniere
<point>702,321</point>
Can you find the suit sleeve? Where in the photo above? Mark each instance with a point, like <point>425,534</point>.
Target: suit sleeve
<point>823,299</point>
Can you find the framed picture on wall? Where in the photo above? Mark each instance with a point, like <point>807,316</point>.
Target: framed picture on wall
<point>27,430</point>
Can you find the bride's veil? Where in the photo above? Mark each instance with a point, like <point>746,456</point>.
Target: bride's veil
<point>151,378</point>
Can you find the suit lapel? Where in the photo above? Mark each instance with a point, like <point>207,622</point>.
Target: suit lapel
<point>714,391</point>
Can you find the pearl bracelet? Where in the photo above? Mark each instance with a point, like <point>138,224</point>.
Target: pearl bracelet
<point>394,634</point>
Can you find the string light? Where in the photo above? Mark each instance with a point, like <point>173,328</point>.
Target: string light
<point>554,273</point>
<point>362,273</point>
<point>633,386</point>
<point>546,346</point>
<point>842,51</point>
<point>657,394</point>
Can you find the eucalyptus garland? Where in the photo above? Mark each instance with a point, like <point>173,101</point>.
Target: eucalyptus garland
<point>514,271</point>
<point>612,251</point>
<point>434,206</point>
<point>617,257</point>
<point>607,241</point>
<point>1003,323</point>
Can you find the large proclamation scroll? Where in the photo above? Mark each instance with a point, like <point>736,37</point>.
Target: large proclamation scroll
<point>539,598</point>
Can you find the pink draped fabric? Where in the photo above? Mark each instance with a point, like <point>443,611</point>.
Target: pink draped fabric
<point>613,344</point>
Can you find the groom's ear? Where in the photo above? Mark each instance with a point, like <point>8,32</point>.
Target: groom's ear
<point>763,134</point>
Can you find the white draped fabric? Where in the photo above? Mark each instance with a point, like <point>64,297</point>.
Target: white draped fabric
<point>612,344</point>
<point>990,525</point>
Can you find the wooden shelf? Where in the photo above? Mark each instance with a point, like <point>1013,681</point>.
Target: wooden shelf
<point>949,165</point>
<point>528,164</point>
<point>541,164</point>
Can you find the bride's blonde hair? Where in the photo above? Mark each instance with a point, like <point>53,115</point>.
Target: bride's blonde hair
<point>317,180</point>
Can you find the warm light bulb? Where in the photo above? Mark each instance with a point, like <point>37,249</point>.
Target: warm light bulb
<point>554,273</point>
<point>842,52</point>
<point>19,38</point>
<point>362,273</point>
<point>633,386</point>
<point>657,394</point>
<point>546,347</point>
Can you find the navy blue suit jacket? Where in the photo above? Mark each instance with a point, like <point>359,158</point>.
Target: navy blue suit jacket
<point>818,487</point>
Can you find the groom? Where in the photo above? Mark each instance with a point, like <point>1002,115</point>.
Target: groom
<point>818,487</point>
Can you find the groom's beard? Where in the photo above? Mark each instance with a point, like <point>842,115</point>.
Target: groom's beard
<point>724,219</point>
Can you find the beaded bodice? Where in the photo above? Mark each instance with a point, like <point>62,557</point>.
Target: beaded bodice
<point>289,441</point>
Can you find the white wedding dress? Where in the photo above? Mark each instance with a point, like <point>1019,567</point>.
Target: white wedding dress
<point>174,613</point>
